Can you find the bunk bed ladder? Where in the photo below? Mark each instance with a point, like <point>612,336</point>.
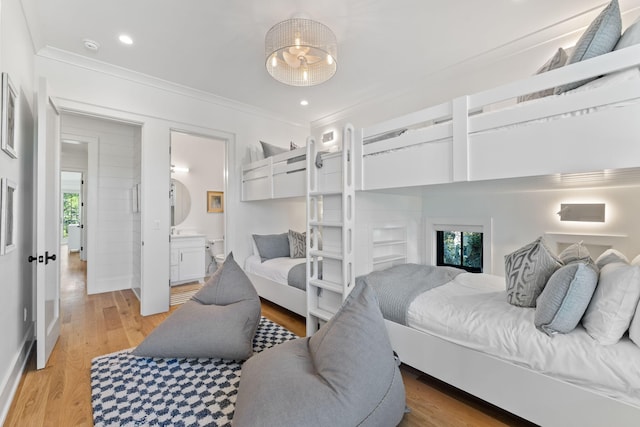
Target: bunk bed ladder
<point>330,227</point>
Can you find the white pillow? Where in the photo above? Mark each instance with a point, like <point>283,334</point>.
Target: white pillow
<point>609,256</point>
<point>630,36</point>
<point>634,329</point>
<point>614,302</point>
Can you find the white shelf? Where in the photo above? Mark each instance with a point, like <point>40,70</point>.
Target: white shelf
<point>389,242</point>
<point>389,245</point>
<point>389,258</point>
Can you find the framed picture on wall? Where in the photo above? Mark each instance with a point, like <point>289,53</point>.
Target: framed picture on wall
<point>215,201</point>
<point>7,216</point>
<point>8,132</point>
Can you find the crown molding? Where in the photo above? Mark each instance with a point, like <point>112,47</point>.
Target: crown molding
<point>90,64</point>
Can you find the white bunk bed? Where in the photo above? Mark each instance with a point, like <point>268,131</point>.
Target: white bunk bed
<point>280,176</point>
<point>469,139</point>
<point>466,139</point>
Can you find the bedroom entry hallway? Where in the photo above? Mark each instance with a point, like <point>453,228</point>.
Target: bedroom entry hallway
<point>94,325</point>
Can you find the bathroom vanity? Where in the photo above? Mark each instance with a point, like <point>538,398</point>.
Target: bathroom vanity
<point>187,258</point>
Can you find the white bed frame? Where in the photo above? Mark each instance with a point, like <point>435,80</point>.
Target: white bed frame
<point>467,144</point>
<point>536,397</point>
<point>456,141</point>
<point>286,296</point>
<point>273,177</point>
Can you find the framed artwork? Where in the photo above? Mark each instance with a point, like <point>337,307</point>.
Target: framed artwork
<point>7,216</point>
<point>215,201</point>
<point>8,132</point>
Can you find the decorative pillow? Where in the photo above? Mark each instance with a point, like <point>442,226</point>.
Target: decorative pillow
<point>556,61</point>
<point>270,150</point>
<point>344,375</point>
<point>220,321</point>
<point>614,302</point>
<point>576,252</point>
<point>527,270</point>
<point>630,36</point>
<point>600,38</point>
<point>609,256</point>
<point>565,298</point>
<point>272,245</point>
<point>297,244</point>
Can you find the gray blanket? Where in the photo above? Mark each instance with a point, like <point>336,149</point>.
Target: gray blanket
<point>398,286</point>
<point>297,275</point>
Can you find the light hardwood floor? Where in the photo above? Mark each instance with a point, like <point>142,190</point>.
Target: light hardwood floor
<point>60,394</point>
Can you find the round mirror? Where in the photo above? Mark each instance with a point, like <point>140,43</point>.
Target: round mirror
<point>180,202</point>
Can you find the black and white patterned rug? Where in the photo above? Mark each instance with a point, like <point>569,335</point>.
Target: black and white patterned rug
<point>127,390</point>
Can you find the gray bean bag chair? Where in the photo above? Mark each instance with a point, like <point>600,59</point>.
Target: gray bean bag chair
<point>220,321</point>
<point>344,375</point>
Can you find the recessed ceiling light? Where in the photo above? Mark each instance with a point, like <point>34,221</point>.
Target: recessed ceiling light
<point>91,45</point>
<point>125,39</point>
<point>304,102</point>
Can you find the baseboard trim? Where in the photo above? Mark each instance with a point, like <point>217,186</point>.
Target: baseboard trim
<point>10,385</point>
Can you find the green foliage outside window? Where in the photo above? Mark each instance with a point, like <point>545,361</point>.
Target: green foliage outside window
<point>70,211</point>
<point>460,249</point>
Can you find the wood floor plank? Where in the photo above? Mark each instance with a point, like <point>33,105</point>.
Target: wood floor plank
<point>94,325</point>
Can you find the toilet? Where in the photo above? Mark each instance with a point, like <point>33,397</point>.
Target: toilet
<point>216,249</point>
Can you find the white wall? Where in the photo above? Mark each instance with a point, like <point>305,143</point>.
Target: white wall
<point>159,108</point>
<point>521,215</point>
<point>16,315</point>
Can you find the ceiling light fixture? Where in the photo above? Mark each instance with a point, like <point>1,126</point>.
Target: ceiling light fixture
<point>301,52</point>
<point>304,102</point>
<point>125,39</point>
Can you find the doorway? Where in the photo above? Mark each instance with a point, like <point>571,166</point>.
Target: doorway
<point>198,184</point>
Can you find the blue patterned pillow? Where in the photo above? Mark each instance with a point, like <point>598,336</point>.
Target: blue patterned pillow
<point>600,38</point>
<point>527,271</point>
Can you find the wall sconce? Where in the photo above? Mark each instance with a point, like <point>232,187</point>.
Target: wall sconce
<point>327,137</point>
<point>585,212</point>
<point>179,169</point>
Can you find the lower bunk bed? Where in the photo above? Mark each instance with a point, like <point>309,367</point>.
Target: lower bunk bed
<point>465,333</point>
<point>280,280</point>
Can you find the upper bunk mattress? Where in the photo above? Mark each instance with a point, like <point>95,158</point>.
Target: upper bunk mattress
<point>472,310</point>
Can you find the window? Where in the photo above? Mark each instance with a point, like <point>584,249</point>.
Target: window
<point>70,211</point>
<point>461,249</point>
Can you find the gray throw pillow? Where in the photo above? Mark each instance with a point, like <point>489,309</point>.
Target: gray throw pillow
<point>220,323</point>
<point>600,38</point>
<point>556,61</point>
<point>344,375</point>
<point>270,150</point>
<point>297,244</point>
<point>272,245</point>
<point>576,252</point>
<point>565,298</point>
<point>527,270</point>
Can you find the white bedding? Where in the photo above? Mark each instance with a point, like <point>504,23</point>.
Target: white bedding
<point>472,311</point>
<point>276,269</point>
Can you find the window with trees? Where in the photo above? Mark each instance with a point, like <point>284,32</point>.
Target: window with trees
<point>70,211</point>
<point>461,249</point>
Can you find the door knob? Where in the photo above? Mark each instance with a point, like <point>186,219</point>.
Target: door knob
<point>47,257</point>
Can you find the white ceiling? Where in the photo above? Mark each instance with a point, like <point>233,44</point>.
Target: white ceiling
<point>217,46</point>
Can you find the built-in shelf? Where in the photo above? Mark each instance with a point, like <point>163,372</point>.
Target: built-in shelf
<point>389,246</point>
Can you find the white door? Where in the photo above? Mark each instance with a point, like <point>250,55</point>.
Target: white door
<point>47,226</point>
<point>83,217</point>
